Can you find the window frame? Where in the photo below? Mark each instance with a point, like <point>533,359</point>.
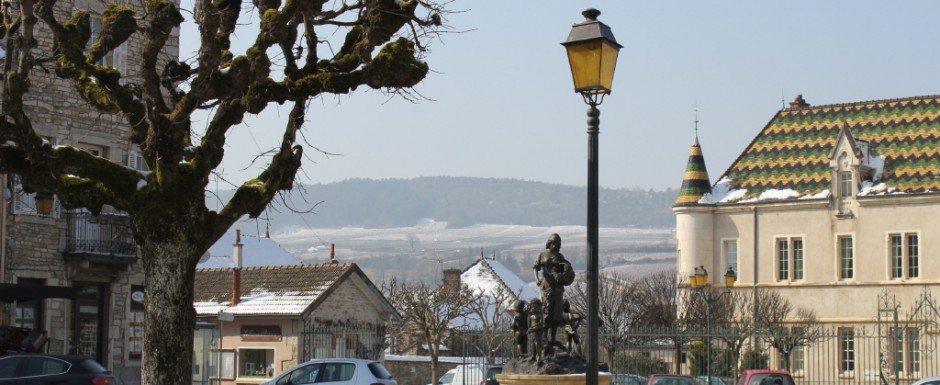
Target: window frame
<point>906,352</point>
<point>846,257</point>
<point>846,182</point>
<point>903,255</point>
<point>789,258</point>
<point>732,258</point>
<point>847,351</point>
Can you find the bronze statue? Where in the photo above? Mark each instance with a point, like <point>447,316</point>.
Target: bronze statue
<point>572,324</point>
<point>536,327</point>
<point>520,329</point>
<point>556,274</point>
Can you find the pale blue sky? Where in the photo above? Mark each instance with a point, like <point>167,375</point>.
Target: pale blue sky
<point>503,106</point>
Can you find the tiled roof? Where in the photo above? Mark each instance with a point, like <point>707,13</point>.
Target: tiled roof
<point>695,182</point>
<point>273,290</point>
<point>792,151</point>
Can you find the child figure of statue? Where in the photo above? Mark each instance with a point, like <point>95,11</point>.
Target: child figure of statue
<point>536,328</point>
<point>520,329</point>
<point>572,324</point>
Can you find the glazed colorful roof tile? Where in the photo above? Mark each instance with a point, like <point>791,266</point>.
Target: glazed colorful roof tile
<point>792,151</point>
<point>695,182</point>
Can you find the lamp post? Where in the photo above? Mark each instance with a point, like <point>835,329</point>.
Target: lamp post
<point>592,55</point>
<point>699,282</point>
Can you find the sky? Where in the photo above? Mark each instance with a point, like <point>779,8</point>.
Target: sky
<point>499,100</point>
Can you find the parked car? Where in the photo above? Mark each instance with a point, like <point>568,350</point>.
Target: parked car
<point>932,380</point>
<point>765,377</point>
<point>52,369</point>
<point>447,378</point>
<point>627,379</point>
<point>353,371</point>
<point>704,380</point>
<point>490,377</point>
<point>671,379</point>
<point>469,374</point>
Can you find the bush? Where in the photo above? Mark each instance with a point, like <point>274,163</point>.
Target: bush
<point>639,363</point>
<point>754,359</point>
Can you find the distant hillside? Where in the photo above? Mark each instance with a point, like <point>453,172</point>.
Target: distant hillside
<point>462,202</point>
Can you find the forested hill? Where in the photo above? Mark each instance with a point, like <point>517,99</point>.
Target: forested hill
<point>462,201</point>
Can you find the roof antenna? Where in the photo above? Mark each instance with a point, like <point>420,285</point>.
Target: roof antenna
<point>783,102</point>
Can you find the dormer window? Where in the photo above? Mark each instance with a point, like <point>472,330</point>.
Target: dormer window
<point>846,188</point>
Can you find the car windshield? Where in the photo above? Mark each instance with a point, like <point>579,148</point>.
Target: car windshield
<point>671,380</point>
<point>94,367</point>
<point>446,378</point>
<point>492,372</point>
<point>770,379</point>
<point>379,371</point>
<point>628,379</point>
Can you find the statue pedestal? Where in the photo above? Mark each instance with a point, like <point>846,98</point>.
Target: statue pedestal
<point>550,379</point>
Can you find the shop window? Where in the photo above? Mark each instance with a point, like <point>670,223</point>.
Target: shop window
<point>135,330</point>
<point>255,363</point>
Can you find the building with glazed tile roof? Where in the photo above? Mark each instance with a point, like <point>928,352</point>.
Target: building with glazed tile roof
<point>832,206</point>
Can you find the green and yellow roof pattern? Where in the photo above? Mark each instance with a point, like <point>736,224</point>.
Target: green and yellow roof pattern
<point>695,182</point>
<point>792,151</point>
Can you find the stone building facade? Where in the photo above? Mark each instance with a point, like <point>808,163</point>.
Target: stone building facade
<point>95,256</point>
<point>834,208</point>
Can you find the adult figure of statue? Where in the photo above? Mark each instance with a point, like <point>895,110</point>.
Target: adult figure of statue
<point>556,274</point>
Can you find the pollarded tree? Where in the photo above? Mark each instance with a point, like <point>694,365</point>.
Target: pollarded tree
<point>169,217</point>
<point>787,328</point>
<point>620,310</point>
<point>428,314</point>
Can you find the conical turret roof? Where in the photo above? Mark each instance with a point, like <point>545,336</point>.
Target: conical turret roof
<point>695,182</point>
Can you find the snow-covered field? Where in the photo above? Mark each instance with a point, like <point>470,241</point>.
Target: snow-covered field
<point>422,251</point>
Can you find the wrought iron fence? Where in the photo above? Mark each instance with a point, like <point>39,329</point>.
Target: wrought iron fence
<point>875,353</point>
<point>341,339</point>
<point>103,234</point>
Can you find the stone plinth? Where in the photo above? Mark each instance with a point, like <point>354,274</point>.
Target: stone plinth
<point>550,379</point>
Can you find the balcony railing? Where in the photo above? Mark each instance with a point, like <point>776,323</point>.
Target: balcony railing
<point>103,238</point>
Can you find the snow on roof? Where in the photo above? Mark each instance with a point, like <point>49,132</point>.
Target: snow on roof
<point>487,275</point>
<point>256,251</point>
<point>723,191</point>
<point>261,302</point>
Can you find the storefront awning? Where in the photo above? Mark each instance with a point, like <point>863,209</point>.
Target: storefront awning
<point>11,292</point>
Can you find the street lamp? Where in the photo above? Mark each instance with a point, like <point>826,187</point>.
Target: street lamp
<point>592,55</point>
<point>699,282</point>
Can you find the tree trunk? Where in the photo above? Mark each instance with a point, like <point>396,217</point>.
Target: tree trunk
<point>169,267</point>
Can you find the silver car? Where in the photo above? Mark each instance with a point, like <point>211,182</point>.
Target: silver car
<point>336,371</point>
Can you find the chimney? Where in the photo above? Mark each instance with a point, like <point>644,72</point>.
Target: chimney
<point>237,253</point>
<point>236,286</point>
<point>451,279</point>
<point>237,271</point>
<point>333,253</point>
<point>798,103</point>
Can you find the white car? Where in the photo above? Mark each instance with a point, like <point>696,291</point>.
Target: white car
<point>336,371</point>
<point>933,380</point>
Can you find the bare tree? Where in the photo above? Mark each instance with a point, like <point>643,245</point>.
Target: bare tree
<point>741,326</point>
<point>786,327</point>
<point>427,314</point>
<point>384,41</point>
<point>491,310</point>
<point>620,309</point>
